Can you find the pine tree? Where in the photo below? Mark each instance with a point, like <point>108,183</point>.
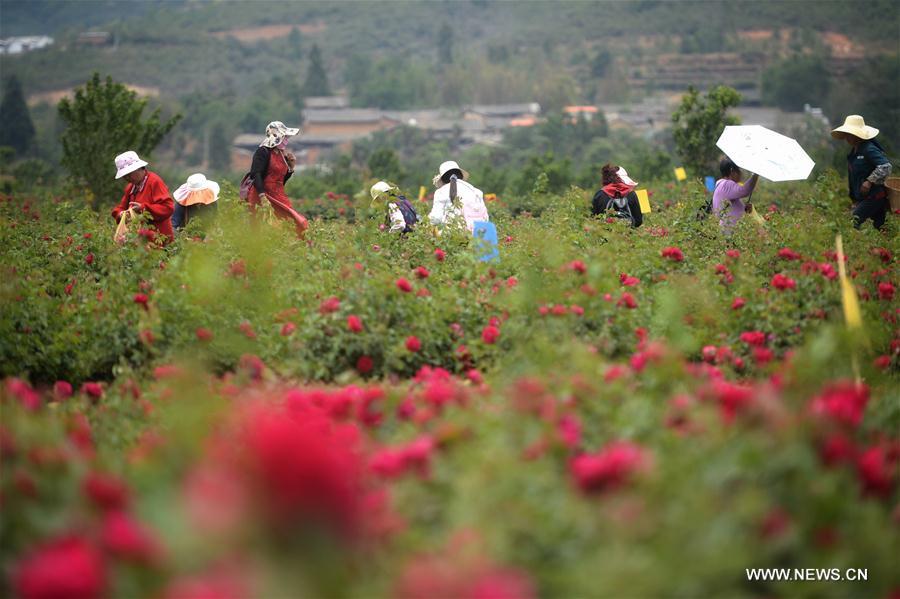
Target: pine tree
<point>445,45</point>
<point>295,44</point>
<point>16,128</point>
<point>316,79</point>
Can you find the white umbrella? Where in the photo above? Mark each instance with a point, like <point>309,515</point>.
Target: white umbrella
<point>766,153</point>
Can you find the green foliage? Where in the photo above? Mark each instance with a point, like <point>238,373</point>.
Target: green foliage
<point>316,83</point>
<point>698,122</point>
<point>103,120</point>
<point>796,81</point>
<point>16,128</point>
<point>219,150</point>
<point>384,164</point>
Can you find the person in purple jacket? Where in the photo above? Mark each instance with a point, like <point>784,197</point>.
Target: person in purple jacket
<point>728,197</point>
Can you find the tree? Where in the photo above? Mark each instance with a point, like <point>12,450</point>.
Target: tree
<point>445,45</point>
<point>698,122</point>
<point>219,150</point>
<point>385,164</point>
<point>316,78</point>
<point>103,120</point>
<point>794,82</point>
<point>16,128</point>
<point>295,44</point>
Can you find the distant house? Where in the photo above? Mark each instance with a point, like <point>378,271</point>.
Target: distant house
<point>494,118</point>
<point>94,38</point>
<point>326,102</point>
<point>22,44</point>
<point>586,112</point>
<point>352,122</point>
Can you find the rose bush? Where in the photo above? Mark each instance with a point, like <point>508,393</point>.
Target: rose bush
<point>358,414</point>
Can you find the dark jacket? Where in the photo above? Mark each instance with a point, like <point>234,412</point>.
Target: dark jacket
<point>626,208</point>
<point>183,214</point>
<point>260,166</point>
<point>861,161</point>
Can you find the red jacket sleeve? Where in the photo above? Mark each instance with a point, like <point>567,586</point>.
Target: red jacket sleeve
<point>123,205</point>
<point>160,203</point>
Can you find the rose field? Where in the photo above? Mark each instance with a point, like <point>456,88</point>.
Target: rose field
<point>603,412</point>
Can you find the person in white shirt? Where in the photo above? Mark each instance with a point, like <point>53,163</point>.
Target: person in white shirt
<point>469,207</point>
<point>400,216</point>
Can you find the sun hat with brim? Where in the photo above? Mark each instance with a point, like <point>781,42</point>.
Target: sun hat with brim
<point>445,168</point>
<point>623,175</point>
<point>855,125</point>
<point>380,188</point>
<point>197,190</point>
<point>276,131</point>
<point>128,162</point>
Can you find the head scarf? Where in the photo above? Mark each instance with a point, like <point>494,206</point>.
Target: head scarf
<point>276,133</point>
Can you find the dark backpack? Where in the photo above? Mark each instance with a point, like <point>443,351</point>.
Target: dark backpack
<point>409,213</point>
<point>621,209</point>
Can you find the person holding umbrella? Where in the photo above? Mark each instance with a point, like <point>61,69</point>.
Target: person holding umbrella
<point>728,196</point>
<point>867,169</point>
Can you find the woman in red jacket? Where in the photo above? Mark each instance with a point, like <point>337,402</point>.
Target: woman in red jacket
<point>145,191</point>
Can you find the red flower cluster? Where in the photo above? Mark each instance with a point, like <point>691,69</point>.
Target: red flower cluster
<point>403,285</point>
<point>842,402</point>
<point>789,254</point>
<point>413,344</point>
<point>68,566</point>
<point>754,338</point>
<point>609,469</point>
<point>332,304</point>
<point>490,334</point>
<point>672,253</point>
<point>782,282</point>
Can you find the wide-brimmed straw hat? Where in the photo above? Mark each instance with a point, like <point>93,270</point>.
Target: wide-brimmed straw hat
<point>445,168</point>
<point>623,175</point>
<point>128,162</point>
<point>855,125</point>
<point>276,131</point>
<point>197,190</point>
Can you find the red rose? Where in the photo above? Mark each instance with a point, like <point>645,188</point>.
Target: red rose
<point>62,389</point>
<point>611,468</point>
<point>141,298</point>
<point>288,328</point>
<point>203,334</point>
<point>754,338</point>
<point>364,365</point>
<point>842,402</point>
<point>105,491</point>
<point>439,254</point>
<point>628,281</point>
<point>93,390</point>
<point>404,285</point>
<point>127,539</point>
<point>354,324</point>
<point>247,329</point>
<point>67,566</point>
<point>413,344</point>
<point>789,254</point>
<point>782,283</point>
<point>490,334</point>
<point>422,272</point>
<point>89,259</point>
<point>672,253</point>
<point>578,266</point>
<point>734,254</point>
<point>886,291</point>
<point>627,300</point>
<point>738,303</point>
<point>332,304</point>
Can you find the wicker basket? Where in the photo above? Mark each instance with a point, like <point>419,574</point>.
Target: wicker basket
<point>893,190</point>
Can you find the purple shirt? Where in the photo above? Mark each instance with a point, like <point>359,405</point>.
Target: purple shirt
<point>728,200</point>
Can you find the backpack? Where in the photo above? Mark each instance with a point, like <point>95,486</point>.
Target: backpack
<point>409,213</point>
<point>621,209</point>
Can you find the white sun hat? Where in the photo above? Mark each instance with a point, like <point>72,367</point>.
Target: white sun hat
<point>197,190</point>
<point>446,167</point>
<point>855,125</point>
<point>380,188</point>
<point>623,175</point>
<point>128,162</point>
